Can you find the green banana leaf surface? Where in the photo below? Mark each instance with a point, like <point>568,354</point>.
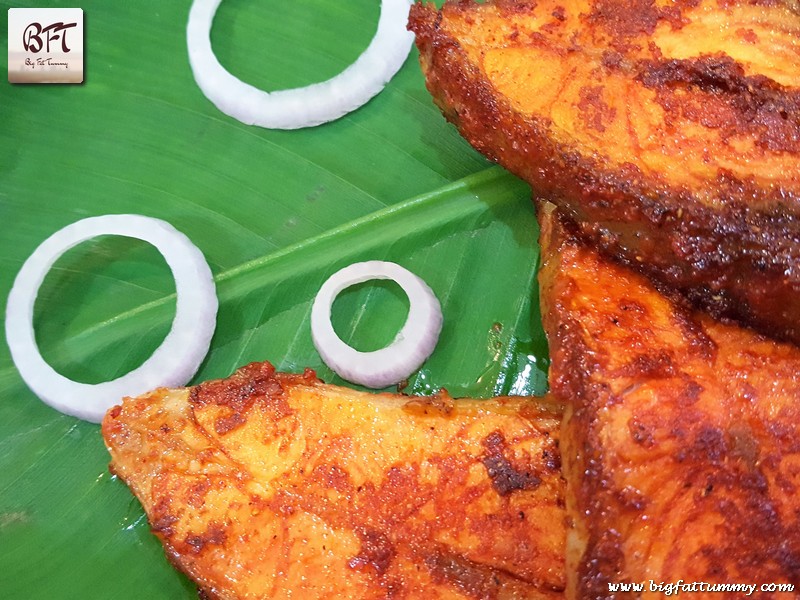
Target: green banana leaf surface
<point>275,214</point>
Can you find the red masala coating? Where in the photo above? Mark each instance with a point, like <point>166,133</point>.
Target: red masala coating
<point>271,485</point>
<point>668,131</point>
<point>681,439</point>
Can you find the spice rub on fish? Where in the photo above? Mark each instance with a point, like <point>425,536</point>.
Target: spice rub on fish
<point>270,485</point>
<point>681,438</point>
<point>668,131</point>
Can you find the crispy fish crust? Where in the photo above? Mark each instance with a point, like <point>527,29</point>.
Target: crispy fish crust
<point>269,485</point>
<point>681,439</point>
<point>669,131</point>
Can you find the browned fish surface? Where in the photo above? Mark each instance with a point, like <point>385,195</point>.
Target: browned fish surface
<point>669,131</point>
<point>681,440</point>
<point>268,485</point>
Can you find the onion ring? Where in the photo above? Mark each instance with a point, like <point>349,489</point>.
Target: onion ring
<point>412,346</point>
<point>306,106</point>
<point>172,364</point>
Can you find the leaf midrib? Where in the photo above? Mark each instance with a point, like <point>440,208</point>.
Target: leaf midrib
<point>476,180</point>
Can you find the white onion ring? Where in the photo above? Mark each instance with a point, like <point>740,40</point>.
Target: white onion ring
<point>172,364</point>
<point>306,106</point>
<point>412,346</point>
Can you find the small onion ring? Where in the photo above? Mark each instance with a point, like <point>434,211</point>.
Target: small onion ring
<point>412,346</point>
<point>306,106</point>
<point>172,364</point>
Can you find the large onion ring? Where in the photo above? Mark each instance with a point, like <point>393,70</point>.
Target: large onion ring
<point>412,346</point>
<point>307,106</point>
<point>172,364</point>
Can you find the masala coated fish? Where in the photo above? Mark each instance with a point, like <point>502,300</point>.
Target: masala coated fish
<point>681,437</point>
<point>668,131</point>
<point>269,485</point>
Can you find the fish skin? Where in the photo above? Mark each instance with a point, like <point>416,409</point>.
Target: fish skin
<point>272,485</point>
<point>681,435</point>
<point>668,131</point>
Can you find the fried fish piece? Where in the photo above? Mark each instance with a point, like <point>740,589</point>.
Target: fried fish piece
<point>681,437</point>
<point>669,131</point>
<point>271,485</point>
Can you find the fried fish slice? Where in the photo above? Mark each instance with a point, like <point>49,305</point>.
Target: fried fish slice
<point>268,485</point>
<point>681,438</point>
<point>669,131</point>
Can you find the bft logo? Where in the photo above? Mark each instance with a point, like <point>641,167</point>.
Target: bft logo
<point>45,45</point>
<point>32,36</point>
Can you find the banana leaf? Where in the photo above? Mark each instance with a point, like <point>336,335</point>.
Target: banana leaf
<point>274,212</point>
